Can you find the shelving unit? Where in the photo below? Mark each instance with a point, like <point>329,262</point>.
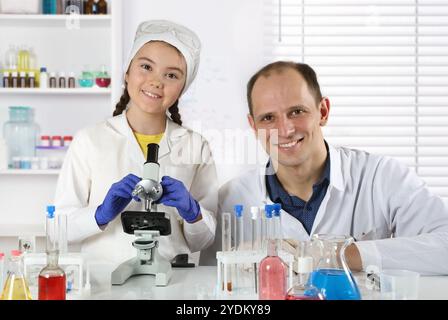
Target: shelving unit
<point>61,43</point>
<point>56,91</point>
<point>29,172</point>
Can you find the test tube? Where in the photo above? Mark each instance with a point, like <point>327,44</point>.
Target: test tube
<point>256,228</point>
<point>277,225</point>
<point>62,238</point>
<point>239,227</point>
<point>50,229</point>
<point>226,238</point>
<point>269,222</point>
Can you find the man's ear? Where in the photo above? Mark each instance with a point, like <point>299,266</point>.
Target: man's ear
<point>251,121</point>
<point>324,110</point>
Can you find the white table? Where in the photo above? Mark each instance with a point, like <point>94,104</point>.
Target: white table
<point>199,283</point>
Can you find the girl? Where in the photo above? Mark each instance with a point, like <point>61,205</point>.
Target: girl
<point>105,161</point>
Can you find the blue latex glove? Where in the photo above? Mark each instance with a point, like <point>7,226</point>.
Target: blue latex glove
<point>176,195</point>
<point>117,198</point>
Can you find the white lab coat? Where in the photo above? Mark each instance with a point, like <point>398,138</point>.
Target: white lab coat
<point>105,153</point>
<point>369,197</point>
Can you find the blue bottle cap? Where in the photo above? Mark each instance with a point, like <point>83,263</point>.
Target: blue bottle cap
<point>277,208</point>
<point>268,210</point>
<point>238,210</point>
<point>50,211</point>
<point>43,69</point>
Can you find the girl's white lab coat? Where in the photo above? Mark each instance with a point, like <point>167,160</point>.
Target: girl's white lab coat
<point>105,153</point>
<point>369,197</point>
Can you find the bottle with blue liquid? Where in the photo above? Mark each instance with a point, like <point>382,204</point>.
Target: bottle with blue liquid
<point>332,275</point>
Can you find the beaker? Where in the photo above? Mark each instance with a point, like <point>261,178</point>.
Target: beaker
<point>332,275</point>
<point>16,287</point>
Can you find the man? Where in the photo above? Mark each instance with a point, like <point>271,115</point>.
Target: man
<point>396,221</point>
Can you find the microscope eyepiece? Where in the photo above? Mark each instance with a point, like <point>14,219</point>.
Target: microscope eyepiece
<point>153,153</point>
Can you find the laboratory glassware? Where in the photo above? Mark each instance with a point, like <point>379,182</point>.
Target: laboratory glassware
<point>272,275</point>
<point>2,269</point>
<point>20,133</point>
<point>332,275</point>
<point>226,225</point>
<point>16,286</point>
<point>52,279</point>
<point>302,289</point>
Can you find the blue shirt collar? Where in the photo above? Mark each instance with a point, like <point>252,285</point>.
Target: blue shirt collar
<point>275,189</point>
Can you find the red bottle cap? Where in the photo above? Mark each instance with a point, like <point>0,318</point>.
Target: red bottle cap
<point>1,255</point>
<point>68,138</point>
<point>45,137</point>
<point>16,253</point>
<point>56,138</point>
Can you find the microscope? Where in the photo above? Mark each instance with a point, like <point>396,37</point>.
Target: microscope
<point>147,226</point>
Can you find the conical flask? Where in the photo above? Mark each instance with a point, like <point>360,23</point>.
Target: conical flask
<point>16,287</point>
<point>302,289</point>
<point>332,275</point>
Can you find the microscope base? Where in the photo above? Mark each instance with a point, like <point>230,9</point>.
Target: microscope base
<point>161,269</point>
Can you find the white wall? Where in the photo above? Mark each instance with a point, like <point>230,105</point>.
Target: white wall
<point>230,32</point>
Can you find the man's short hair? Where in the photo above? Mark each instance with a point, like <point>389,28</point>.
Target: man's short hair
<point>279,66</point>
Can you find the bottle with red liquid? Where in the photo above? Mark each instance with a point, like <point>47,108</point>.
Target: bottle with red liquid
<point>272,275</point>
<point>52,279</point>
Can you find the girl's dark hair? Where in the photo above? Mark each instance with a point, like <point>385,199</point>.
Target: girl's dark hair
<point>124,100</point>
<point>303,69</point>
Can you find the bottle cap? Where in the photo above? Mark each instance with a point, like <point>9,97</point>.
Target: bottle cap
<point>31,74</point>
<point>52,74</point>
<point>50,210</point>
<point>1,255</point>
<point>22,73</point>
<point>255,212</point>
<point>268,210</point>
<point>43,69</point>
<point>45,137</point>
<point>14,73</point>
<point>6,74</point>
<point>238,210</point>
<point>56,138</point>
<point>277,207</point>
<point>71,74</point>
<point>62,74</point>
<point>16,253</point>
<point>68,138</point>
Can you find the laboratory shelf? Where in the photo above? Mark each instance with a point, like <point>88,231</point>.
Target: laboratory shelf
<point>56,91</point>
<point>29,172</point>
<point>53,20</point>
<point>51,148</point>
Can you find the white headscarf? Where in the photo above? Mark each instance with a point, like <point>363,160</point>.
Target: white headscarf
<point>180,37</point>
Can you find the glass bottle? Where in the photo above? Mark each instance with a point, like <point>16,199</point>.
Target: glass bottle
<point>21,133</point>
<point>302,289</point>
<point>52,279</point>
<point>332,275</point>
<point>272,275</point>
<point>102,7</point>
<point>91,7</point>
<point>16,287</point>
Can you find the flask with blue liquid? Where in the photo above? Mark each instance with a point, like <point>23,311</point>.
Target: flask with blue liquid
<point>332,275</point>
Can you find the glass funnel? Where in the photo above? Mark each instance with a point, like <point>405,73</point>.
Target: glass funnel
<point>332,275</point>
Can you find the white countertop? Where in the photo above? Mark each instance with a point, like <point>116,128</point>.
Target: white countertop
<point>200,282</point>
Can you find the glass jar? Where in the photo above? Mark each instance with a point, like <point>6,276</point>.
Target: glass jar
<point>21,133</point>
<point>332,275</point>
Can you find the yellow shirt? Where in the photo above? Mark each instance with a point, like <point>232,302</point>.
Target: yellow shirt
<point>144,139</point>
